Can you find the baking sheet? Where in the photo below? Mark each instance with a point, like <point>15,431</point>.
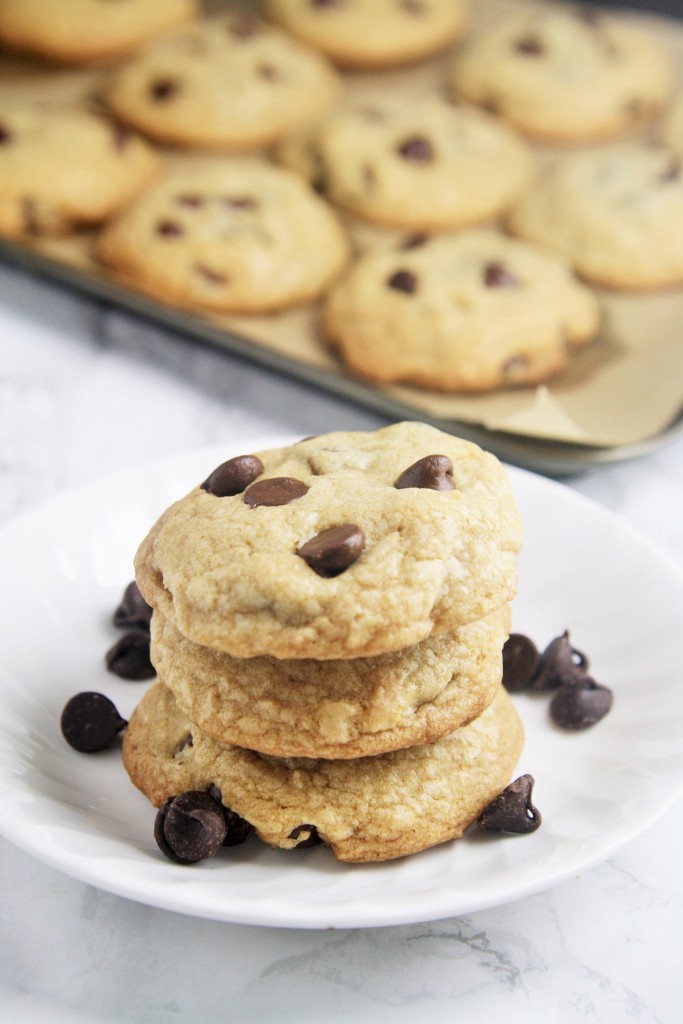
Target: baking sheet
<point>619,397</point>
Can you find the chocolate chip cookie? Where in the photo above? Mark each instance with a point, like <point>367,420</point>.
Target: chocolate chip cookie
<point>465,312</point>
<point>335,709</point>
<point>414,163</point>
<point>80,31</point>
<point>614,213</point>
<point>62,168</point>
<point>231,83</point>
<point>566,76</point>
<point>373,33</point>
<point>343,545</point>
<point>367,809</point>
<point>238,235</point>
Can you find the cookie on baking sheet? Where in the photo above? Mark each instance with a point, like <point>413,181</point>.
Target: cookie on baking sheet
<point>80,31</point>
<point>367,809</point>
<point>466,312</point>
<point>421,163</point>
<point>348,544</point>
<point>614,213</point>
<point>566,76</point>
<point>239,235</point>
<point>60,168</point>
<point>373,33</point>
<point>228,83</point>
<point>335,709</point>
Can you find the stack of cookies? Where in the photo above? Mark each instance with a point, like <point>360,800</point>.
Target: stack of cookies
<point>327,631</point>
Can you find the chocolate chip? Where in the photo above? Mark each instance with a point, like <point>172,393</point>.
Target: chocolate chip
<point>309,834</point>
<point>403,281</point>
<point>530,46</point>
<point>169,229</point>
<point>192,200</point>
<point>520,660</point>
<point>240,202</point>
<point>133,611</point>
<point>417,150</point>
<point>163,88</point>
<point>497,275</point>
<point>90,722</point>
<point>512,810</point>
<point>333,550</point>
<point>210,275</point>
<point>190,827</point>
<point>559,663</point>
<point>672,172</point>
<point>515,367</point>
<point>185,742</point>
<point>434,472</point>
<point>244,27</point>
<point>269,72</point>
<point>238,829</point>
<point>413,6</point>
<point>580,703</point>
<point>5,135</point>
<point>233,476</point>
<point>277,490</point>
<point>415,241</point>
<point>129,657</point>
<point>121,137</point>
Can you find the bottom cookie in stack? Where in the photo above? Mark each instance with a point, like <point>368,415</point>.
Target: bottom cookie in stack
<point>371,808</point>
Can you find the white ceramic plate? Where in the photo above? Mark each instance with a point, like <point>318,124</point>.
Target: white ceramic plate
<point>64,566</point>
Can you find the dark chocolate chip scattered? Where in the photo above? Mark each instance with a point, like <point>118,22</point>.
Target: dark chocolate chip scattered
<point>530,46</point>
<point>415,241</point>
<point>240,202</point>
<point>277,490</point>
<point>403,281</point>
<point>169,229</point>
<point>512,810</point>
<point>90,722</point>
<point>192,200</point>
<point>520,660</point>
<point>333,550</point>
<point>163,88</point>
<point>5,135</point>
<point>129,657</point>
<point>233,476</point>
<point>559,663</point>
<point>269,73</point>
<point>210,275</point>
<point>185,742</point>
<point>238,830</point>
<point>309,836</point>
<point>497,275</point>
<point>672,172</point>
<point>190,827</point>
<point>133,612</point>
<point>417,149</point>
<point>434,472</point>
<point>121,137</point>
<point>580,703</point>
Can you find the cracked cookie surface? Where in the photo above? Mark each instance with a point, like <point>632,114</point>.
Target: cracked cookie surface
<point>570,76</point>
<point>63,168</point>
<point>614,213</point>
<point>231,83</point>
<point>367,809</point>
<point>335,709</point>
<point>374,33</point>
<point>466,312</point>
<point>413,163</point>
<point>236,234</point>
<point>228,573</point>
<point>80,31</point>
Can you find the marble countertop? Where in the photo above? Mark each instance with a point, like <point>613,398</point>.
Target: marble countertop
<point>85,390</point>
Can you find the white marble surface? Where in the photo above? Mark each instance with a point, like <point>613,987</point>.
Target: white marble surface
<point>84,391</point>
